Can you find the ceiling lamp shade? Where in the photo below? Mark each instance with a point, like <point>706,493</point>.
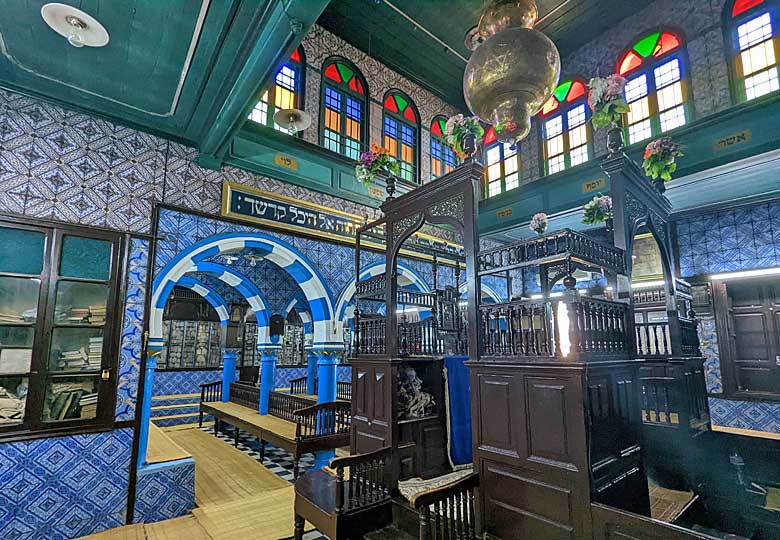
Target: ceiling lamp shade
<point>76,26</point>
<point>515,70</point>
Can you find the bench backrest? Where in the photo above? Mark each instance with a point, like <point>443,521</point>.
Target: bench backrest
<point>245,394</point>
<point>284,405</point>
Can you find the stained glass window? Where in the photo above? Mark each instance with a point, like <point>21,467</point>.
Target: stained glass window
<point>655,92</point>
<point>502,165</point>
<point>565,127</point>
<point>284,94</point>
<point>400,132</point>
<point>755,47</point>
<point>442,154</point>
<point>344,107</point>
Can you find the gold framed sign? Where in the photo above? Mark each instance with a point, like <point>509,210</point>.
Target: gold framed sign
<point>286,214</point>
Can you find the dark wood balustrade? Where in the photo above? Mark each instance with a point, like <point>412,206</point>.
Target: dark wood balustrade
<point>526,329</point>
<point>448,512</point>
<point>246,394</point>
<point>559,244</point>
<point>419,338</point>
<point>299,386</point>
<point>368,479</point>
<point>324,419</point>
<point>370,336</point>
<point>209,392</point>
<point>653,340</point>
<point>344,390</point>
<point>373,287</point>
<point>416,298</point>
<point>284,405</point>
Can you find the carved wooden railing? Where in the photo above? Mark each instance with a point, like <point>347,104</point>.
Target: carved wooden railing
<point>416,298</point>
<point>538,328</point>
<point>653,340</point>
<point>344,390</point>
<point>447,513</point>
<point>559,244</point>
<point>245,394</point>
<point>284,405</point>
<point>654,295</point>
<point>373,287</point>
<point>419,338</point>
<point>209,392</point>
<point>368,480</point>
<point>299,386</point>
<point>323,419</point>
<point>370,336</point>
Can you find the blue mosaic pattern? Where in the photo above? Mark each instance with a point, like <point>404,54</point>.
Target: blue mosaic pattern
<point>165,492</point>
<point>131,344</point>
<point>708,343</point>
<point>64,487</point>
<point>754,415</point>
<point>168,383</point>
<point>737,239</point>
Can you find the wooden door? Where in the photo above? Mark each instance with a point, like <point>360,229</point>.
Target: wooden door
<point>371,406</point>
<point>754,329</point>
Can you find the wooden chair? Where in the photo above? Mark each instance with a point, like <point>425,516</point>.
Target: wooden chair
<point>447,513</point>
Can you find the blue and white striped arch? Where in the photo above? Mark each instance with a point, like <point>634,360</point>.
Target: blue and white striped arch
<point>488,292</point>
<point>248,290</point>
<point>410,275</point>
<point>281,253</point>
<point>211,296</point>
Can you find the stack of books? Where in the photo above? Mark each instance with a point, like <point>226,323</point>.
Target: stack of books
<point>88,403</point>
<point>77,315</point>
<point>10,317</point>
<point>73,359</point>
<point>95,355</point>
<point>97,314</point>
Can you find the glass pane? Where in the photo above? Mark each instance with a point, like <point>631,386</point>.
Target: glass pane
<point>754,31</point>
<point>13,397</point>
<point>638,110</point>
<point>81,303</point>
<point>579,155</point>
<point>13,243</point>
<point>636,88</point>
<point>555,146</point>
<point>85,258</point>
<point>761,83</point>
<point>16,345</point>
<point>512,181</point>
<point>69,398</point>
<point>494,188</point>
<point>667,73</point>
<point>556,164</point>
<point>578,136</point>
<point>758,58</point>
<point>673,118</point>
<point>639,132</point>
<point>554,127</point>
<point>576,116</point>
<point>670,96</point>
<point>19,299</point>
<point>76,349</point>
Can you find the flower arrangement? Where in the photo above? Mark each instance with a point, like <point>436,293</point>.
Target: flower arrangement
<point>606,100</point>
<point>598,210</point>
<point>660,158</point>
<point>538,223</point>
<point>375,161</point>
<point>456,129</point>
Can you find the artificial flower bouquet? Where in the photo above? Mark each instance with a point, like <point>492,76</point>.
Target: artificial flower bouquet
<point>660,158</point>
<point>375,161</point>
<point>538,223</point>
<point>606,100</point>
<point>598,210</point>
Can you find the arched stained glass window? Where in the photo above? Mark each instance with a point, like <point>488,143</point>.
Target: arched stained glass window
<point>344,108</point>
<point>565,127</point>
<point>442,154</point>
<point>286,92</point>
<point>400,132</point>
<point>754,47</point>
<point>502,165</point>
<point>655,91</point>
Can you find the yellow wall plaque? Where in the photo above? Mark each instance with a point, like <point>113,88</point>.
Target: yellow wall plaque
<point>735,139</point>
<point>589,186</point>
<point>376,192</point>
<point>286,162</point>
<point>504,213</point>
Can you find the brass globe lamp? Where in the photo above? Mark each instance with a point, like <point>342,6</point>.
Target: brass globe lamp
<point>513,72</point>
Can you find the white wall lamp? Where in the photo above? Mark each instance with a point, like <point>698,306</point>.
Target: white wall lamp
<point>79,28</point>
<point>760,272</point>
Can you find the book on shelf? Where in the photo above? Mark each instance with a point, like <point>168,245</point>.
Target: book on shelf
<point>97,314</point>
<point>12,317</point>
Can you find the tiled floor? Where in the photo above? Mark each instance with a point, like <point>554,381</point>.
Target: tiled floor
<point>278,461</point>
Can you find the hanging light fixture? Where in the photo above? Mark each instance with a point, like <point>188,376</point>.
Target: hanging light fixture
<point>513,70</point>
<point>77,27</point>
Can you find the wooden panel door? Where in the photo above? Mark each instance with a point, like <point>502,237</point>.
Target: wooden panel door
<point>754,327</point>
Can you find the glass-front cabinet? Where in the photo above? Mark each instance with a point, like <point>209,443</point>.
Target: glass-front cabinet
<point>58,350</point>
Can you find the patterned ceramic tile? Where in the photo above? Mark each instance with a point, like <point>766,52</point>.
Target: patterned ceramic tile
<point>64,487</point>
<point>753,415</point>
<point>167,383</point>
<point>165,492</point>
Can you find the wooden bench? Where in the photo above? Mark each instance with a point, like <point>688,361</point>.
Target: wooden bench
<point>343,388</point>
<point>292,423</point>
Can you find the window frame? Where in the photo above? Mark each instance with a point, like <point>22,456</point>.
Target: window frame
<point>344,91</point>
<point>399,118</point>
<point>563,111</point>
<point>731,37</point>
<point>299,93</point>
<point>440,139</point>
<point>33,425</point>
<point>647,68</point>
<point>502,167</point>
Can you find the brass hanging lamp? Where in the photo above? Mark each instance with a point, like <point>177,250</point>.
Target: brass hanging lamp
<point>513,70</point>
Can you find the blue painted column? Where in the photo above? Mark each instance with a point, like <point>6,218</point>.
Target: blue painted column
<point>326,372</point>
<point>228,371</point>
<point>311,371</point>
<point>267,377</point>
<point>153,349</point>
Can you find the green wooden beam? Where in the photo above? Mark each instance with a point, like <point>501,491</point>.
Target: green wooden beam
<point>275,29</point>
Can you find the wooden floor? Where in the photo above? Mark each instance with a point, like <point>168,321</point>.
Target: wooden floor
<point>237,498</point>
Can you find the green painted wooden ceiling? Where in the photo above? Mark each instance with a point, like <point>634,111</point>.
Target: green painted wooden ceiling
<point>377,28</point>
<point>189,69</point>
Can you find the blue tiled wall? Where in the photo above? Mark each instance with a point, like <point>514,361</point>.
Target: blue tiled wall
<point>165,491</point>
<point>737,239</point>
<point>64,487</point>
<point>742,238</point>
<point>168,383</point>
<point>283,375</point>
